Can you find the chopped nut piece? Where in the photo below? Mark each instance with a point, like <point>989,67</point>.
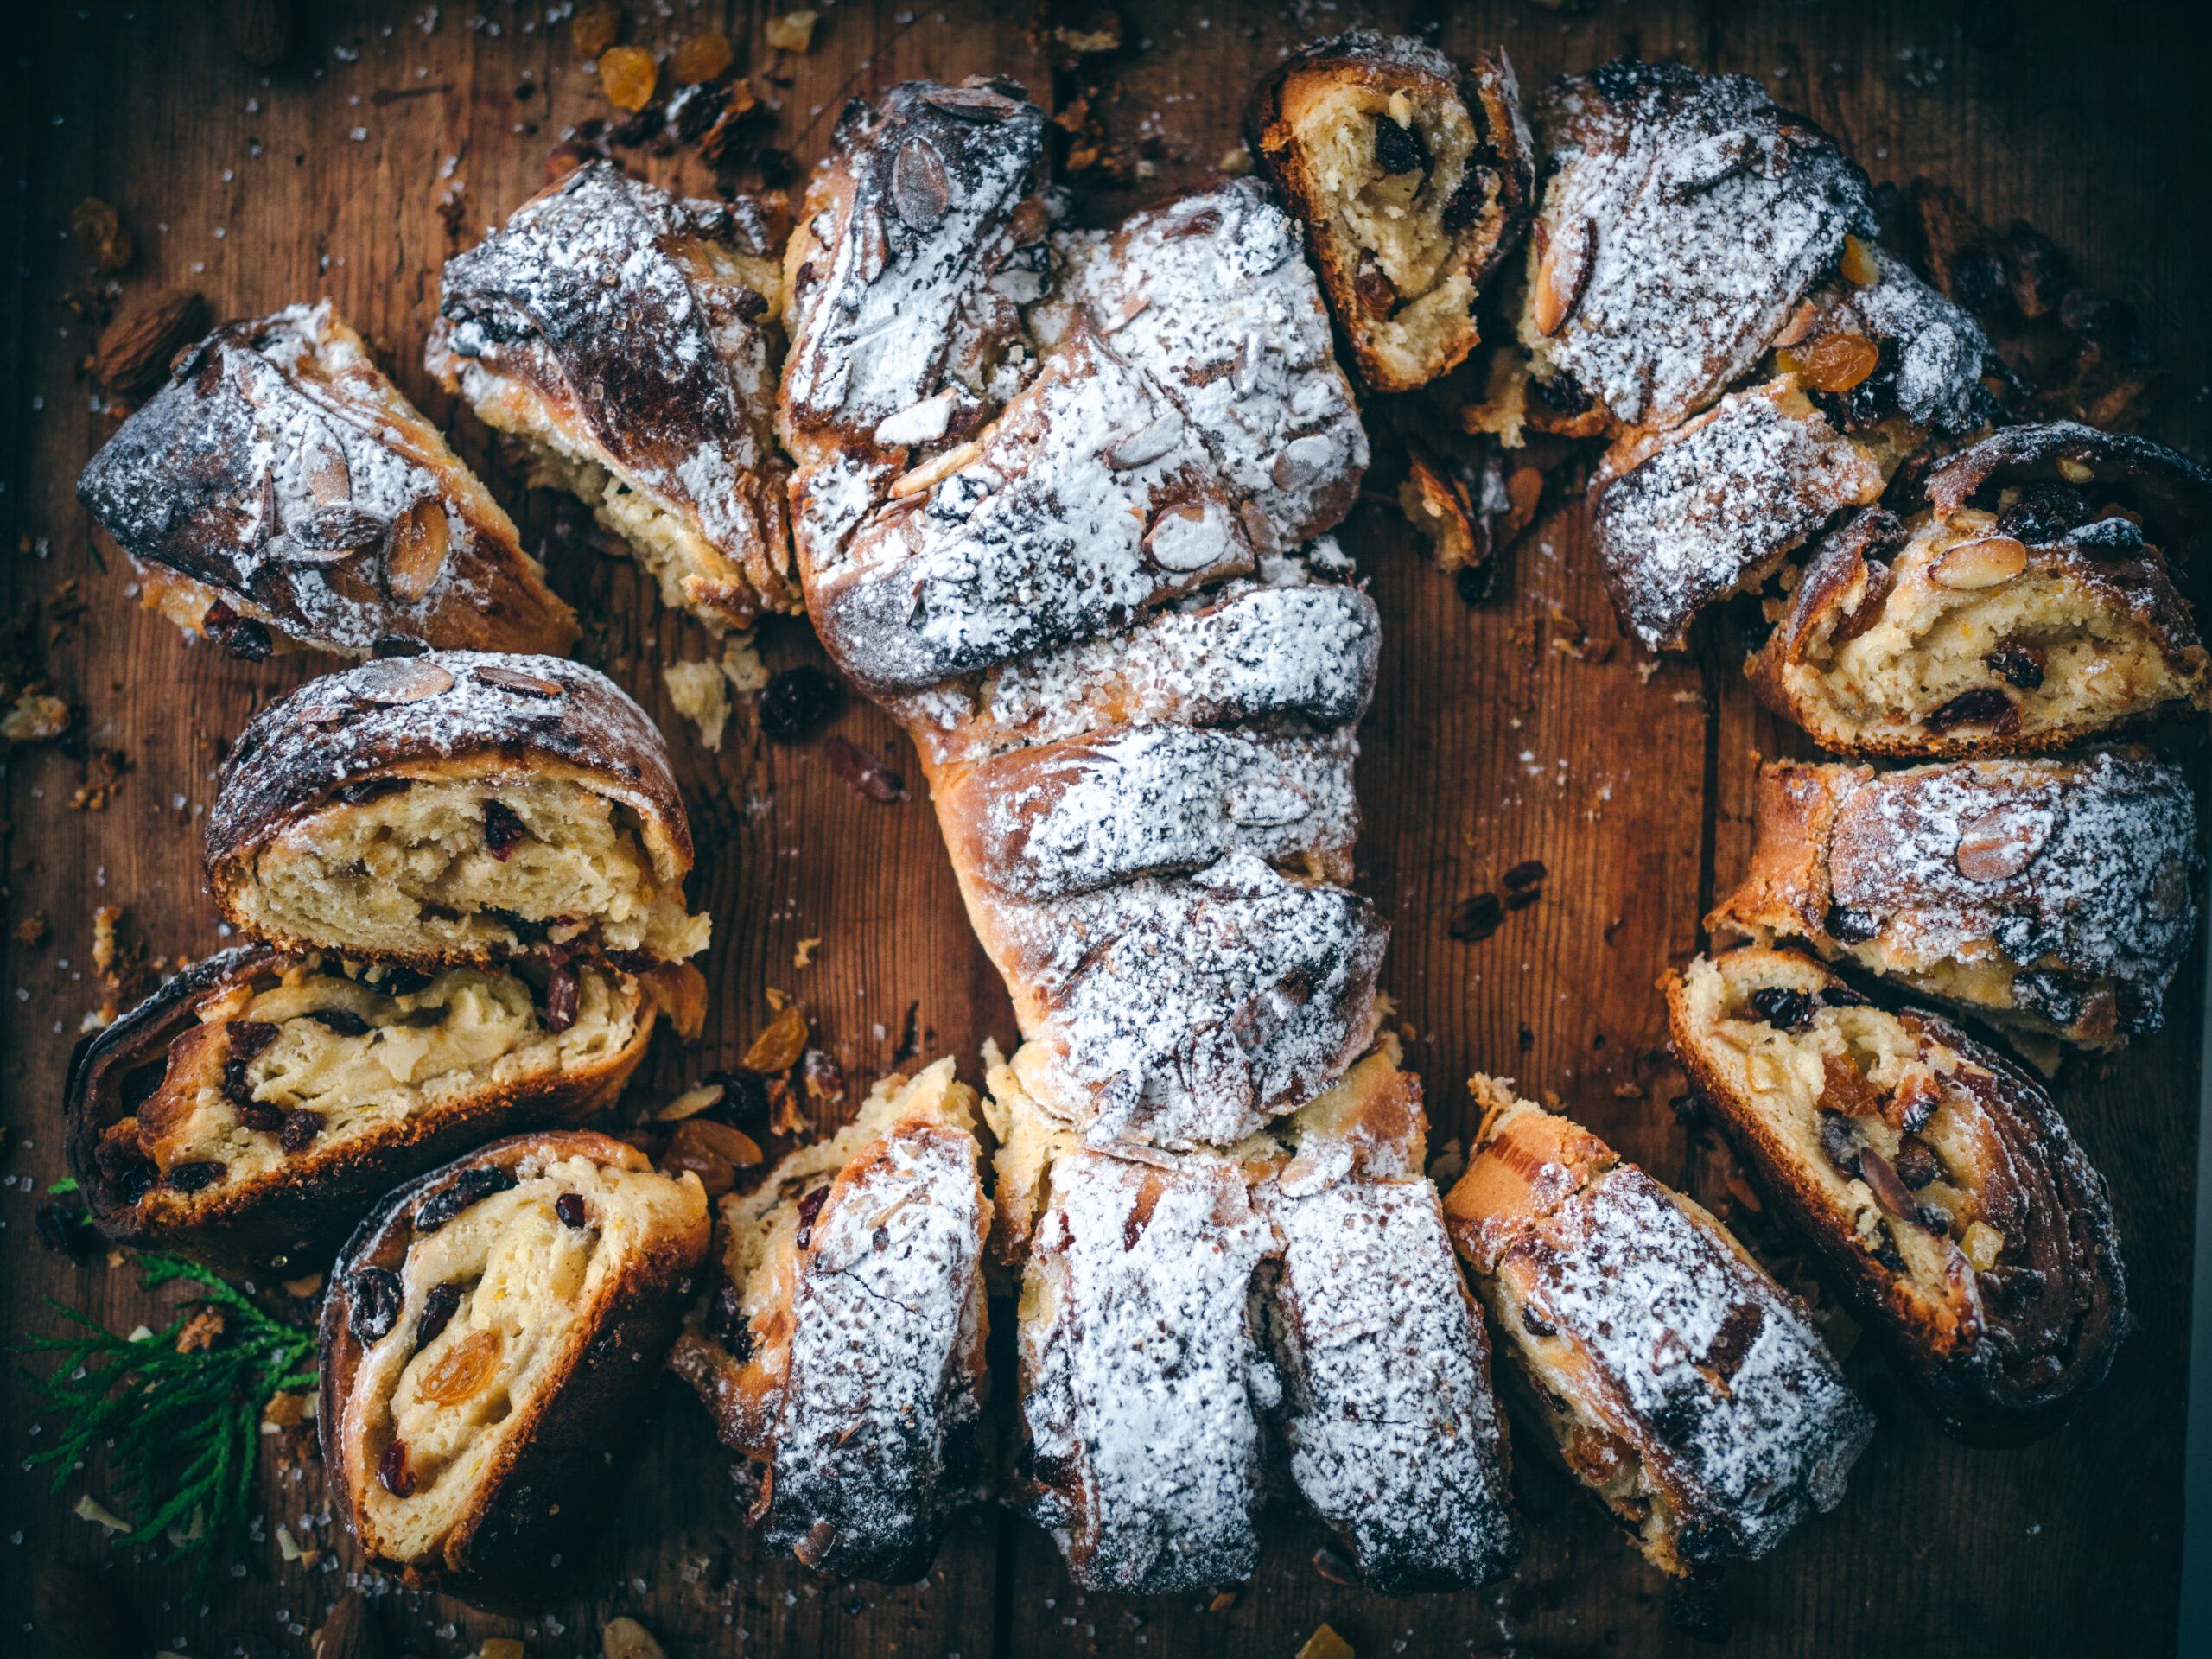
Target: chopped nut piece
<point>202,1331</point>
<point>36,718</point>
<point>286,1410</point>
<point>1981,1245</point>
<point>792,32</point>
<point>804,956</point>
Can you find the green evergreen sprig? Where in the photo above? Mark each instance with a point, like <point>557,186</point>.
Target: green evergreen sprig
<point>182,1429</point>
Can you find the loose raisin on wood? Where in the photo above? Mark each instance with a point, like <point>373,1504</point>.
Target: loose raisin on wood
<point>1784,1008</point>
<point>62,1227</point>
<point>503,829</point>
<point>1476,918</point>
<point>469,1187</point>
<point>248,640</point>
<point>864,772</point>
<point>796,700</point>
<point>438,1309</point>
<point>378,1300</point>
<point>1476,583</point>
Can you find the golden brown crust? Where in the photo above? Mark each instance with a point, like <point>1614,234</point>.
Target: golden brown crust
<point>296,1214</point>
<point>1483,205</point>
<point>279,487</point>
<point>545,1486</point>
<point>2001,1325</point>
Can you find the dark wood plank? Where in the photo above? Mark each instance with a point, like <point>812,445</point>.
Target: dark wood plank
<point>1632,791</point>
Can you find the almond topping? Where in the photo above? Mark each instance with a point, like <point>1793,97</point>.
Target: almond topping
<point>1988,562</point>
<point>1561,276</point>
<point>2000,844</point>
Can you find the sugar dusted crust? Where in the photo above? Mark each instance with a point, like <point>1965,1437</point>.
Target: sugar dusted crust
<point>509,1417</point>
<point>1407,226</point>
<point>279,478</point>
<point>1681,1384</point>
<point>362,814</point>
<point>1945,1196</point>
<point>850,1358</point>
<point>1684,218</point>
<point>2056,897</point>
<point>622,334</point>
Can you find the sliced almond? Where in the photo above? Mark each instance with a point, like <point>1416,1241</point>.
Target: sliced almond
<point>930,473</point>
<point>2000,844</point>
<point>1972,566</point>
<point>2076,472</point>
<point>415,553</point>
<point>1562,274</point>
<point>400,679</point>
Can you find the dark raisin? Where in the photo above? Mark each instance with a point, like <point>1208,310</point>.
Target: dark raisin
<point>2054,996</point>
<point>216,617</point>
<point>192,1178</point>
<point>2043,515</point>
<point>62,1227</point>
<point>1377,295</point>
<point>1688,1109</point>
<point>1784,1008</point>
<point>796,700</point>
<point>561,993</point>
<point>391,1469</point>
<point>1563,394</point>
<point>248,640</point>
<point>1984,705</point>
<point>502,828</point>
<point>1521,898</point>
<point>2016,662</point>
<point>1916,1163</point>
<point>300,1130</point>
<point>1839,1140</point>
<point>1476,918</point>
<point>371,789</point>
<point>525,930</point>
<point>2107,323</point>
<point>744,1104</point>
<point>1476,584</point>
<point>1979,282</point>
<point>397,644</point>
<point>1526,873</point>
<point>378,1300</point>
<point>2110,538</point>
<point>1850,926</point>
<point>140,1082</point>
<point>1885,1249</point>
<point>259,1114</point>
<point>1536,1323</point>
<point>572,1210</point>
<point>438,1309</point>
<point>401,982</point>
<point>1467,202</point>
<point>864,772</point>
<point>776,166</point>
<point>1054,1470</point>
<point>248,1038</point>
<point>1842,996</point>
<point>2012,1289</point>
<point>343,1021</point>
<point>468,1187</point>
<point>809,1208</point>
<point>1399,150</point>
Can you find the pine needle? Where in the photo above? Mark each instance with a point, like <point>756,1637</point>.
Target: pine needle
<point>182,1429</point>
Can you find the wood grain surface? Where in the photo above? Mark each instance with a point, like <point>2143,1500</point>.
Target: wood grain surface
<point>1488,746</point>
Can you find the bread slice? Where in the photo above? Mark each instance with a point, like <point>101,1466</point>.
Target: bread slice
<point>456,807</point>
<point>1408,220</point>
<point>623,337</point>
<point>840,1341</point>
<point>279,492</point>
<point>2053,897</point>
<point>1141,1449</point>
<point>1386,1412</point>
<point>1681,1385</point>
<point>250,1110</point>
<point>2031,610</point>
<point>1944,1196</point>
<point>485,1349</point>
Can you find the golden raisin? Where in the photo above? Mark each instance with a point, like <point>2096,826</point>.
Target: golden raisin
<point>462,1370</point>
<point>596,28</point>
<point>99,227</point>
<point>778,1048</point>
<point>626,75</point>
<point>1859,261</point>
<point>1838,362</point>
<point>701,58</point>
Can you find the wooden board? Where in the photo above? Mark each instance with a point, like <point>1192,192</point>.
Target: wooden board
<point>1486,747</point>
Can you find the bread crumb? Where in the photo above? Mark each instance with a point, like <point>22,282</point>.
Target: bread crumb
<point>804,956</point>
<point>31,931</point>
<point>700,695</point>
<point>793,31</point>
<point>742,663</point>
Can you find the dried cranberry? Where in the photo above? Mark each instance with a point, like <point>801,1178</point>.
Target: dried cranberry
<point>502,828</point>
<point>343,1021</point>
<point>391,1469</point>
<point>397,644</point>
<point>1476,919</point>
<point>62,1227</point>
<point>572,1210</point>
<point>378,1300</point>
<point>1782,1008</point>
<point>300,1130</point>
<point>561,998</point>
<point>2016,662</point>
<point>809,1208</point>
<point>466,1188</point>
<point>1850,926</point>
<point>1984,705</point>
<point>796,700</point>
<point>248,640</point>
<point>1399,150</point>
<point>193,1178</point>
<point>438,1309</point>
<point>371,789</point>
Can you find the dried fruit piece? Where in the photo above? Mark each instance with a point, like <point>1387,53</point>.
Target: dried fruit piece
<point>192,1178</point>
<point>563,994</point>
<point>469,1187</point>
<point>792,32</point>
<point>135,350</point>
<point>778,1048</point>
<point>378,1300</point>
<point>438,1309</point>
<point>796,699</point>
<point>1782,1008</point>
<point>1476,918</point>
<point>1984,705</point>
<point>1982,1244</point>
<point>462,1370</point>
<point>1859,263</point>
<point>1399,149</point>
<point>1838,362</point>
<point>596,28</point>
<point>701,59</point>
<point>810,1211</point>
<point>97,224</point>
<point>864,771</point>
<point>300,1129</point>
<point>572,1210</point>
<point>1988,562</point>
<point>503,829</point>
<point>391,1469</point>
<point>628,74</point>
<point>2016,662</point>
<point>1375,292</point>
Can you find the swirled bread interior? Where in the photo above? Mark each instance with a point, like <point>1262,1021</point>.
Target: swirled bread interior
<point>481,866</point>
<point>357,1055</point>
<point>531,1287</point>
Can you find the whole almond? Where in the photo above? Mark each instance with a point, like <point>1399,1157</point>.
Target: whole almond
<point>1986,563</point>
<point>135,350</point>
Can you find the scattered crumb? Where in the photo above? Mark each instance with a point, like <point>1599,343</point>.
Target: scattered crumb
<point>742,663</point>
<point>700,695</point>
<point>31,931</point>
<point>203,1330</point>
<point>804,956</point>
<point>104,771</point>
<point>775,998</point>
<point>793,31</point>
